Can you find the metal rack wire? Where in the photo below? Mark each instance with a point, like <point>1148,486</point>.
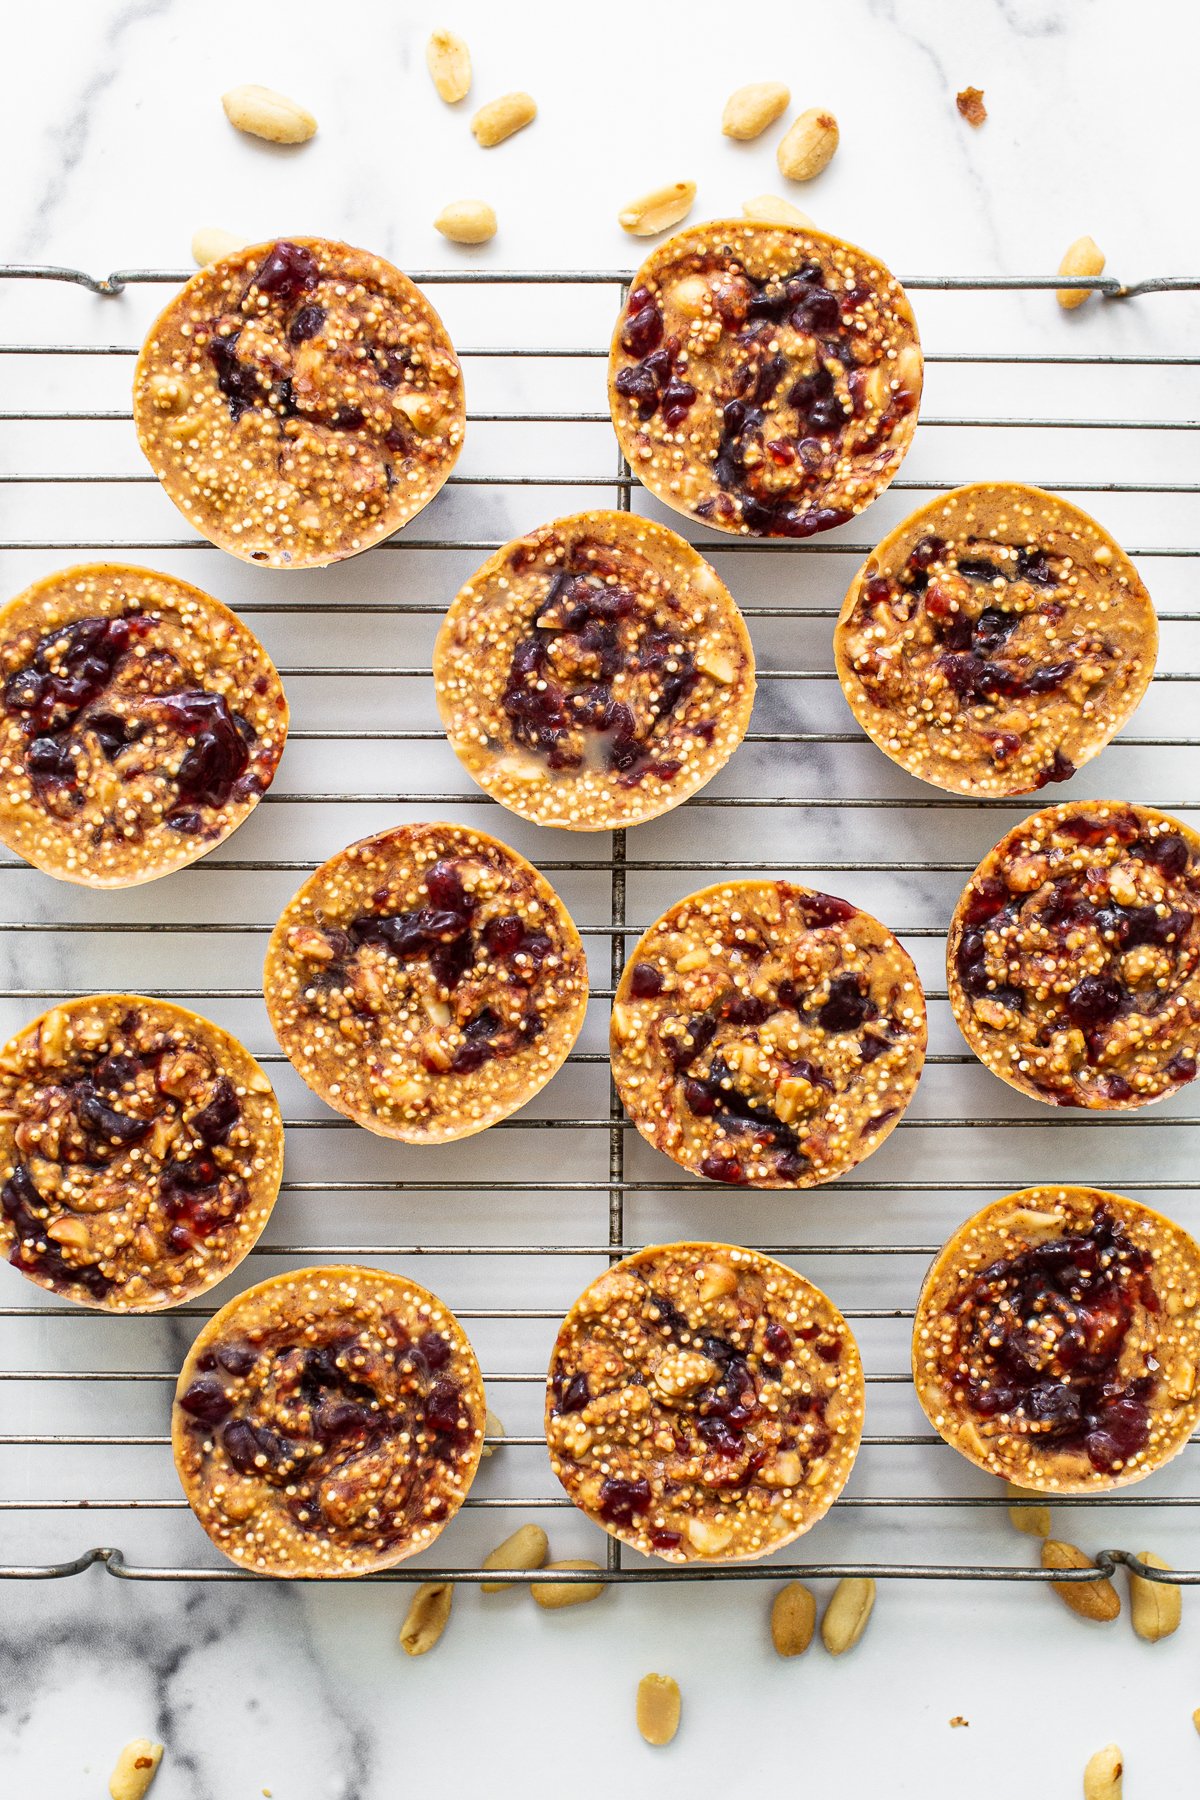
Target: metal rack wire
<point>59,920</point>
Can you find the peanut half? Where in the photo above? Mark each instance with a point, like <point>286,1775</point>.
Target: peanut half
<point>427,1617</point>
<point>750,109</point>
<point>1084,257</point>
<point>500,118</point>
<point>1033,1520</point>
<point>136,1768</point>
<point>1102,1777</point>
<point>493,1428</point>
<point>847,1614</point>
<point>793,1616</point>
<point>1156,1606</point>
<point>449,63</point>
<point>525,1549</point>
<point>466,222</point>
<point>1090,1599</point>
<point>263,113</point>
<point>553,1594</point>
<point>770,209</point>
<point>210,244</point>
<point>658,1706</point>
<point>658,210</point>
<point>808,145</point>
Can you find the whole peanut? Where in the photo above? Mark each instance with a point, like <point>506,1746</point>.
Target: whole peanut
<point>1090,1599</point>
<point>1084,257</point>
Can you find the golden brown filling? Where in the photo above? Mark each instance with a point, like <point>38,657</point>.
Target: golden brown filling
<point>1075,955</point>
<point>328,1421</point>
<point>141,1162</point>
<point>445,962</point>
<point>703,1401</point>
<point>300,404</point>
<point>768,1035</point>
<point>765,380</point>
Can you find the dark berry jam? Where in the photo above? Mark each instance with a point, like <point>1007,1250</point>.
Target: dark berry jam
<point>559,696</point>
<point>58,695</point>
<point>1042,1335</point>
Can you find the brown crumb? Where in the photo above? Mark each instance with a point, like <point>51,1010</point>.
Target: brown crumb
<point>970,104</point>
<point>958,1720</point>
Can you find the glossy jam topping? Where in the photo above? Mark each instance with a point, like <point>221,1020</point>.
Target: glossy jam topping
<point>691,1394</point>
<point>559,696</point>
<point>1042,1335</point>
<point>767,1035</point>
<point>1080,944</point>
<point>87,679</point>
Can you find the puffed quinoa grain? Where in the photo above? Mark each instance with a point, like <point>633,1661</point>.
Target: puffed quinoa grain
<point>658,1705</point>
<point>136,1768</point>
<point>808,145</point>
<point>427,1617</point>
<point>658,210</point>
<point>263,113</point>
<point>1102,1777</point>
<point>499,119</point>
<point>467,222</point>
<point>449,63</point>
<point>793,1617</point>
<point>771,209</point>
<point>210,244</point>
<point>749,110</point>
<point>847,1614</point>
<point>525,1549</point>
<point>555,1594</point>
<point>1097,1599</point>
<point>1156,1606</point>
<point>1083,257</point>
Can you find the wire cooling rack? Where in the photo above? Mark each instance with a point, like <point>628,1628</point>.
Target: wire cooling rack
<point>539,1205</point>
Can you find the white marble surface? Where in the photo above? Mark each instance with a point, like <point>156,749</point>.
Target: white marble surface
<point>115,148</point>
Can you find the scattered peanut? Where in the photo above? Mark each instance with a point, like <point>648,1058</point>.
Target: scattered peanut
<point>427,1617</point>
<point>1090,1599</point>
<point>1084,257</point>
<point>525,1549</point>
<point>1033,1520</point>
<point>136,1768</point>
<point>500,118</point>
<point>1102,1777</point>
<point>263,113</point>
<point>658,210</point>
<point>751,109</point>
<point>467,222</point>
<point>793,1617</point>
<point>553,1594</point>
<point>492,1428</point>
<point>658,1708</point>
<point>1156,1606</point>
<point>808,145</point>
<point>449,62</point>
<point>847,1614</point>
<point>210,244</point>
<point>770,209</point>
